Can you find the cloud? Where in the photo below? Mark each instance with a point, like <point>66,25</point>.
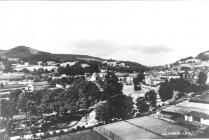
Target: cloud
<point>147,55</point>
<point>100,48</point>
<point>151,49</point>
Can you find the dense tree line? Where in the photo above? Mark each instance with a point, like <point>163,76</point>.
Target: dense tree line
<point>202,78</point>
<point>203,56</point>
<point>128,69</point>
<point>81,95</point>
<point>9,107</point>
<point>138,80</point>
<point>116,104</point>
<point>182,85</point>
<point>77,69</point>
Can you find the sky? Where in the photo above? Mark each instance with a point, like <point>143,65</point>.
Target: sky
<point>149,32</point>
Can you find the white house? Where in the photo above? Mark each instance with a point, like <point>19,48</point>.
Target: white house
<point>197,118</point>
<point>112,63</point>
<point>84,65</point>
<point>50,63</point>
<point>67,63</point>
<point>93,77</point>
<point>39,62</point>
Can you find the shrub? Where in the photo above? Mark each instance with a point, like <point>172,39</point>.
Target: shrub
<point>47,134</point>
<point>61,132</point>
<point>83,127</point>
<point>78,128</point>
<point>54,133</point>
<point>73,130</point>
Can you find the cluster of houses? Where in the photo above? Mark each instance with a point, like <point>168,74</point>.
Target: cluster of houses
<point>114,63</point>
<point>188,119</point>
<point>193,112</point>
<point>48,65</point>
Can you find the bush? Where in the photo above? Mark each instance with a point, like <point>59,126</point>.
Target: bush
<point>54,133</point>
<point>78,128</point>
<point>73,130</point>
<point>47,134</point>
<point>83,127</point>
<point>61,132</point>
<point>100,124</point>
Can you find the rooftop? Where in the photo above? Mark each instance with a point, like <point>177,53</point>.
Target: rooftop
<point>187,107</point>
<point>204,98</point>
<point>140,128</point>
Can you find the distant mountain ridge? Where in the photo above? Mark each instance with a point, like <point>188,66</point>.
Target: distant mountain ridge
<point>1,51</point>
<point>19,52</point>
<point>30,54</point>
<point>204,56</point>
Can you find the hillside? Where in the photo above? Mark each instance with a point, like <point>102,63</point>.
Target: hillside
<point>30,54</point>
<point>204,56</point>
<point>19,52</point>
<point>74,57</point>
<point>1,51</point>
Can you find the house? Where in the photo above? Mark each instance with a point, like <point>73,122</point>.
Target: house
<point>102,74</point>
<point>13,59</point>
<point>87,76</point>
<point>194,111</point>
<point>93,77</point>
<point>40,85</point>
<point>197,117</point>
<point>39,62</point>
<point>110,63</point>
<point>67,63</point>
<point>170,75</point>
<point>84,65</point>
<point>122,64</point>
<point>26,64</point>
<point>129,80</point>
<point>1,65</point>
<point>12,76</point>
<point>147,127</point>
<point>50,63</point>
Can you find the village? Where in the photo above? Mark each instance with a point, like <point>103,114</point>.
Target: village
<point>185,109</point>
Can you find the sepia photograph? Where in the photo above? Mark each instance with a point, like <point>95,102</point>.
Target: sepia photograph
<point>104,70</point>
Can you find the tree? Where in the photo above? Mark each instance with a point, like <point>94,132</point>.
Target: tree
<point>151,98</point>
<point>94,67</point>
<point>138,80</point>
<point>121,106</point>
<point>81,95</point>
<point>4,104</point>
<point>63,81</point>
<point>142,105</point>
<point>88,93</point>
<point>1,86</point>
<point>165,91</point>
<point>76,69</point>
<point>69,100</point>
<point>181,85</point>
<point>111,85</point>
<point>51,101</point>
<point>25,70</point>
<point>202,78</point>
<point>9,108</point>
<point>29,102</point>
<point>67,69</point>
<point>60,70</point>
<point>40,71</point>
<point>8,67</point>
<point>103,112</point>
